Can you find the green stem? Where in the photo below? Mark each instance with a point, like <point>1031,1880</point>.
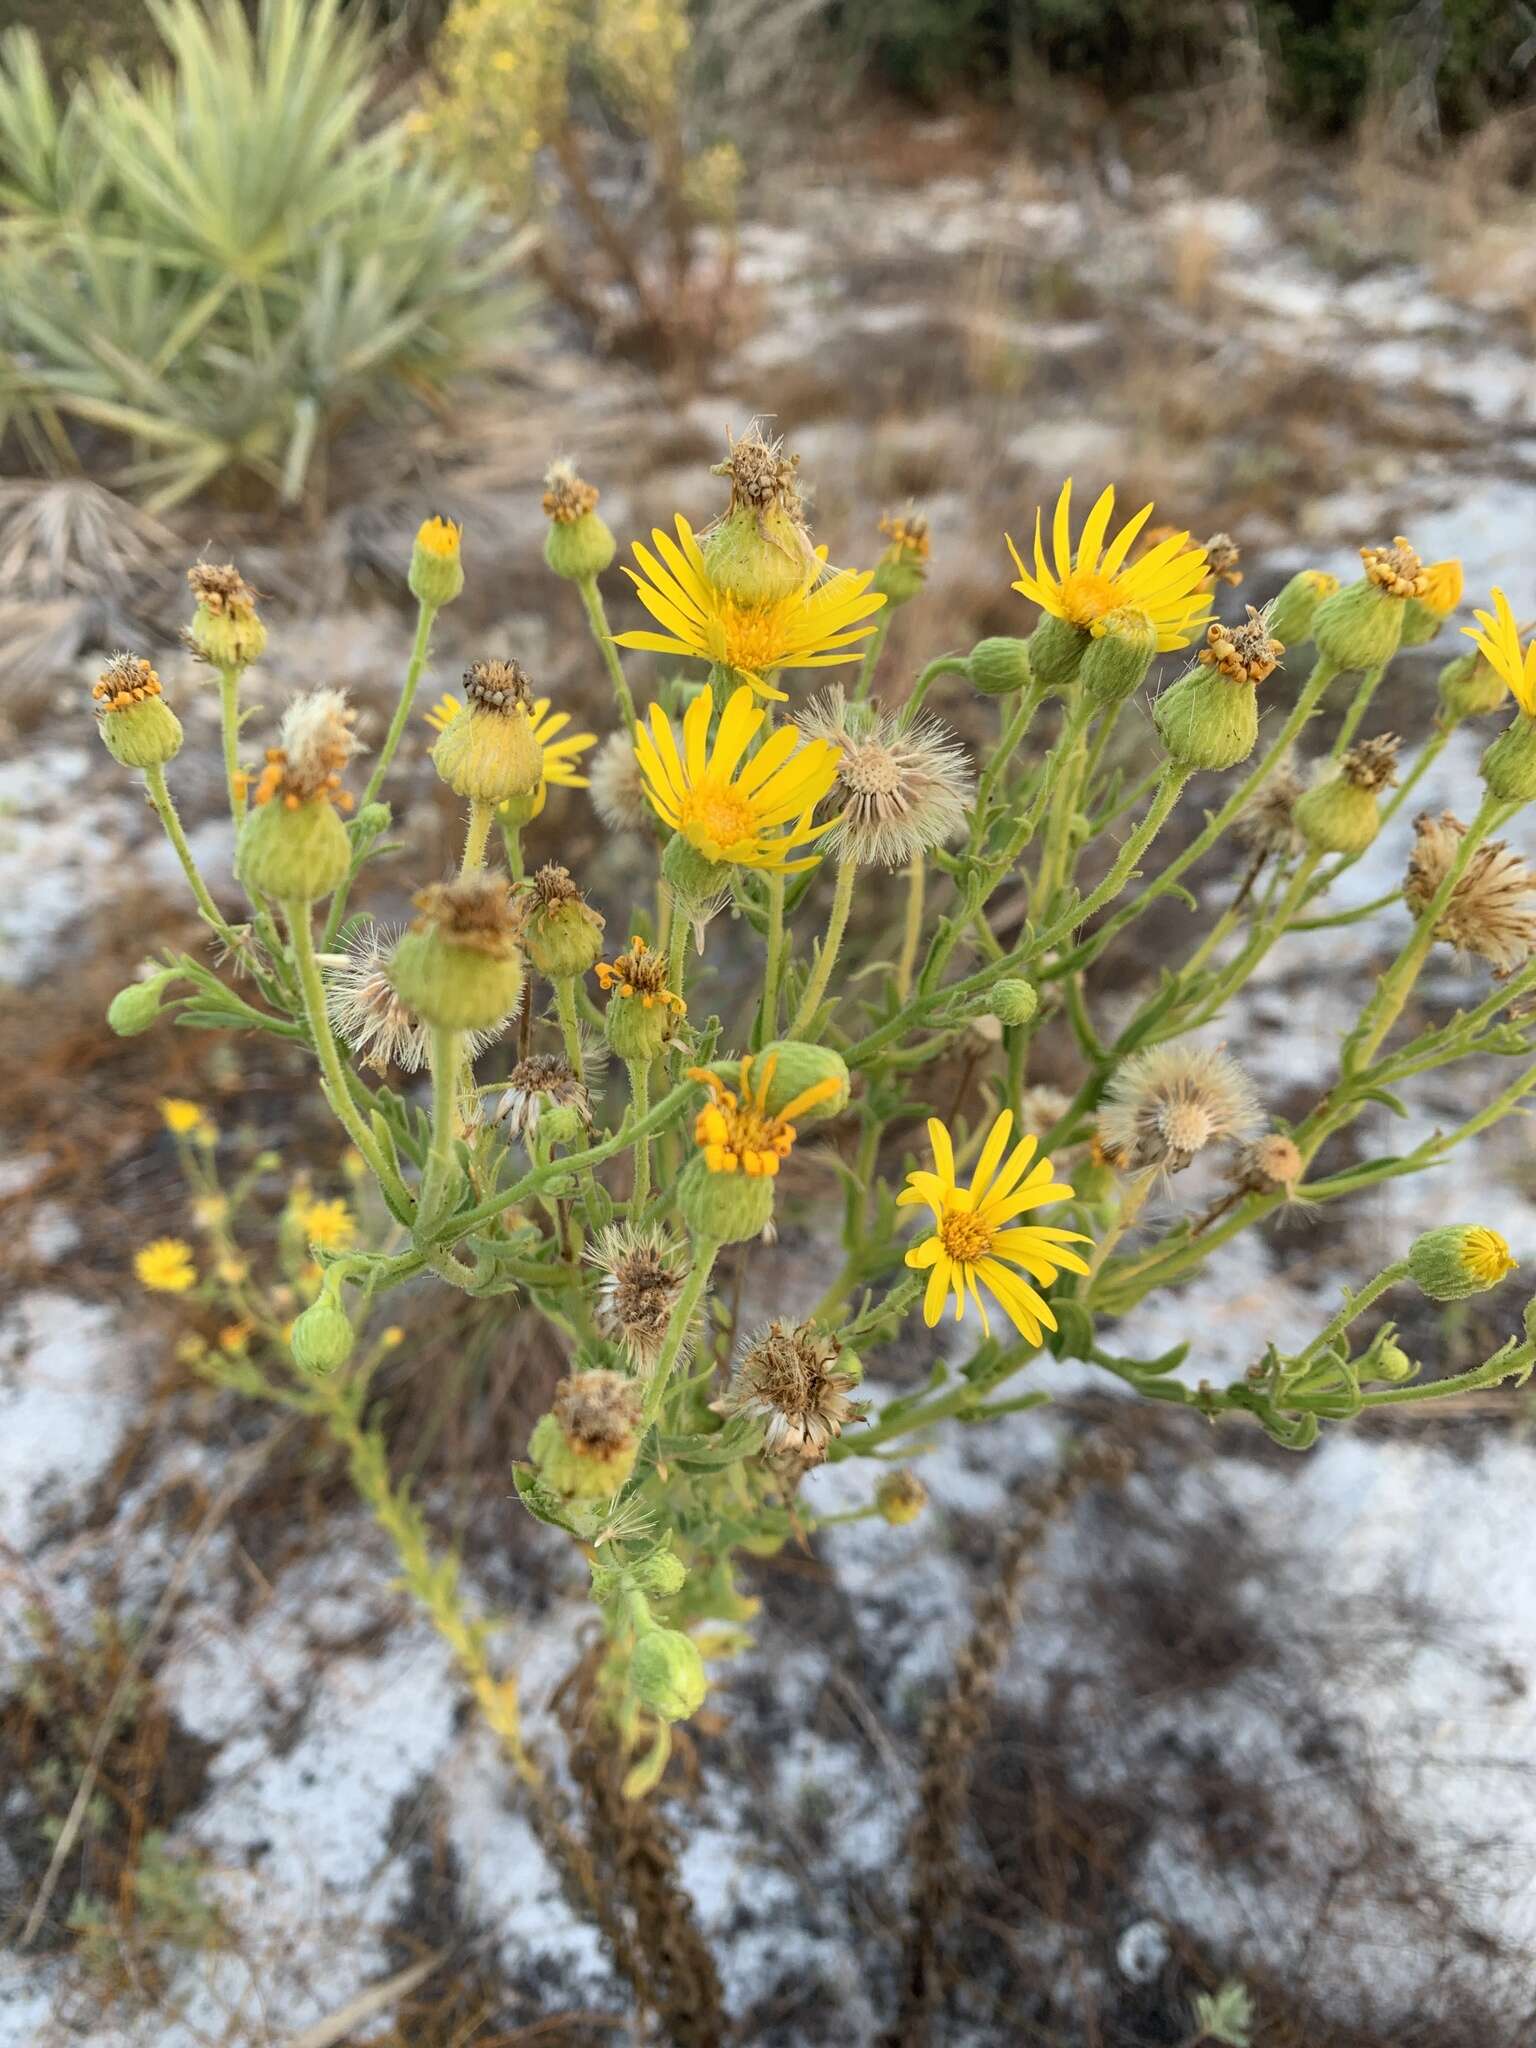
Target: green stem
<point>425,615</point>
<point>229,719</point>
<point>165,810</point>
<point>597,619</point>
<point>477,837</point>
<point>946,665</point>
<point>570,1032</point>
<point>640,1102</point>
<point>1365,690</point>
<point>1168,792</point>
<point>872,649</point>
<point>512,841</point>
<point>773,965</point>
<point>912,928</point>
<point>837,924</point>
<point>1017,726</point>
<point>439,1168</point>
<point>705,1252</point>
<point>1354,1306</point>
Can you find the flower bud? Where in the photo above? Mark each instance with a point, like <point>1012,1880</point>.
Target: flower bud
<point>792,1066</point>
<point>1207,721</point>
<point>759,552</point>
<point>1360,626</point>
<point>135,1008</point>
<point>1458,1260</point>
<point>661,1574</point>
<point>726,1208</point>
<point>559,931</point>
<point>902,570</point>
<point>1337,816</point>
<point>1386,1359</point>
<point>225,628</point>
<point>137,726</point>
<point>488,751</point>
<point>437,574</point>
<point>586,1445</point>
<point>1115,665</point>
<point>458,966</point>
<point>578,545</point>
<point>998,667</point>
<point>293,856</point>
<point>1509,765</point>
<point>1470,688</point>
<point>563,1123</point>
<point>900,1497</point>
<point>1292,612</point>
<point>1011,1000</point>
<point>695,880</point>
<point>1056,650</point>
<point>322,1337</point>
<point>667,1673</point>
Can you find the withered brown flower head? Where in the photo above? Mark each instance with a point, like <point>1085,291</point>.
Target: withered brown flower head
<point>566,497</point>
<point>1396,570</point>
<point>498,686</point>
<point>1223,557</point>
<point>367,1011</point>
<point>1492,909</point>
<point>761,474</point>
<point>788,1375</point>
<point>472,910</point>
<point>598,1411</point>
<point>315,742</point>
<point>1246,653</point>
<point>552,888</point>
<point>908,535</point>
<point>1372,765</point>
<point>1268,824</point>
<point>644,1270</point>
<point>221,589</point>
<point>127,679</point>
<point>1271,1162</point>
<point>542,1079</point>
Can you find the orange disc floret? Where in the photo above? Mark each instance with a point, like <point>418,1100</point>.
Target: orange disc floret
<point>639,972</point>
<point>738,1131</point>
<point>127,679</point>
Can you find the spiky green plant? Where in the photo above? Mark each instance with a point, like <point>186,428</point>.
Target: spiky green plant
<point>221,263</point>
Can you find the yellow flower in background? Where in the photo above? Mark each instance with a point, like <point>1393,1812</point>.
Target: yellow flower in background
<point>559,755</point>
<point>1166,584</point>
<point>816,626</point>
<point>751,812</point>
<point>180,1117</point>
<point>975,1237</point>
<point>165,1266</point>
<point>1499,645</point>
<point>327,1224</point>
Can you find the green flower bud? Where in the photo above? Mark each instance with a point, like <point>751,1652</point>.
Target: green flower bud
<point>1056,650</point>
<point>225,628</point>
<point>795,1068</point>
<point>1509,765</point>
<point>643,1014</point>
<point>1207,721</point>
<point>1469,688</point>
<point>1360,626</point>
<point>900,1497</point>
<point>1337,816</point>
<point>1292,613</point>
<point>138,728</point>
<point>578,545</point>
<point>561,934</point>
<point>727,1208</point>
<point>322,1337</point>
<point>1387,1360</point>
<point>1114,665</point>
<point>902,570</point>
<point>458,966</point>
<point>562,1123</point>
<point>135,1008</point>
<point>1011,1000</point>
<point>667,1673</point>
<point>1458,1260</point>
<point>998,667</point>
<point>488,752</point>
<point>661,1574</point>
<point>293,856</point>
<point>437,574</point>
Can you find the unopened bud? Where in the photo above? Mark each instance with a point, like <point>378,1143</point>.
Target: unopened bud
<point>1011,1000</point>
<point>436,574</point>
<point>1360,626</point>
<point>1115,664</point>
<point>134,1008</point>
<point>998,667</point>
<point>1056,650</point>
<point>900,1497</point>
<point>1470,688</point>
<point>1509,765</point>
<point>1207,720</point>
<point>667,1673</point>
<point>1458,1260</point>
<point>725,1208</point>
<point>322,1337</point>
<point>1293,611</point>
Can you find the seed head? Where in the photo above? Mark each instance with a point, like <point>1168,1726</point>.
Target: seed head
<point>1492,910</point>
<point>1268,824</point>
<point>1372,765</point>
<point>618,789</point>
<point>315,742</point>
<point>474,911</point>
<point>1165,1105</point>
<point>597,1411</point>
<point>761,474</point>
<point>643,1272</point>
<point>1270,1162</point>
<point>900,792</point>
<point>1396,570</point>
<point>370,1016</point>
<point>126,680</point>
<point>1223,557</point>
<point>542,1082</point>
<point>1041,1109</point>
<point>499,686</point>
<point>566,498</point>
<point>1246,653</point>
<point>789,1376</point>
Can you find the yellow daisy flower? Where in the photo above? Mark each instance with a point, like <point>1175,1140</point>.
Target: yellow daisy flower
<point>328,1224</point>
<point>179,1116</point>
<point>739,1130</point>
<point>1499,645</point>
<point>751,812</point>
<point>560,755</point>
<point>816,626</point>
<point>165,1267</point>
<point>1166,584</point>
<point>975,1236</point>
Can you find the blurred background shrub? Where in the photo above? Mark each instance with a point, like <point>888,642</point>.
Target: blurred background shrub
<point>211,267</point>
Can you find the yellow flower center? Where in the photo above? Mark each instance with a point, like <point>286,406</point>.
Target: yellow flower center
<point>715,815</point>
<point>965,1237</point>
<point>1086,597</point>
<point>748,637</point>
<point>1486,1256</point>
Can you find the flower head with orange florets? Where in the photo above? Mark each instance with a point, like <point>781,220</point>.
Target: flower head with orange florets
<point>738,1132</point>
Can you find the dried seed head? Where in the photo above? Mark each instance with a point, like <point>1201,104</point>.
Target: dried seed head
<point>221,589</point>
<point>556,927</point>
<point>1492,910</point>
<point>900,792</point>
<point>473,911</point>
<point>598,1412</point>
<point>1223,558</point>
<point>1271,1162</point>
<point>225,629</point>
<point>1372,765</point>
<point>1246,653</point>
<point>1396,570</point>
<point>1165,1105</point>
<point>566,497</point>
<point>126,680</point>
<point>315,742</point>
<point>1268,824</point>
<point>789,1376</point>
<point>538,1084</point>
<point>761,474</point>
<point>643,1273</point>
<point>1041,1109</point>
<point>367,1012</point>
<point>499,686</point>
<point>618,788</point>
